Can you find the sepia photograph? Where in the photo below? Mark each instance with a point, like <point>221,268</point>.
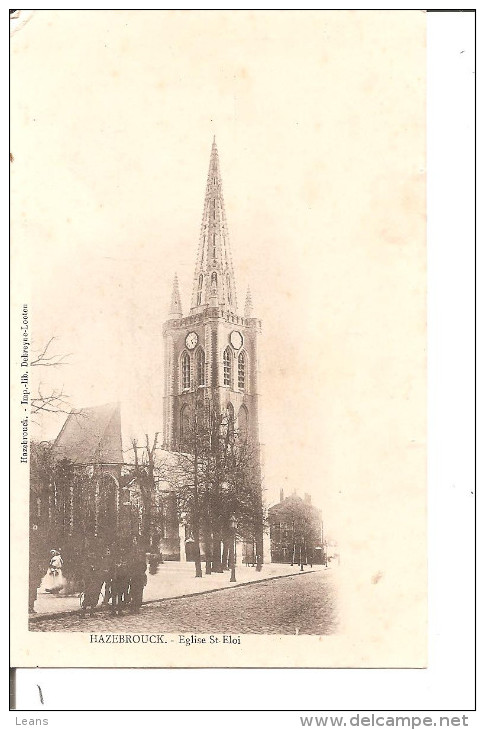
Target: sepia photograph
<point>218,316</point>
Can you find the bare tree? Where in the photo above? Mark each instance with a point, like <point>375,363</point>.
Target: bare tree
<point>192,486</point>
<point>45,360</point>
<point>55,400</point>
<point>145,473</point>
<point>241,491</point>
<point>218,483</point>
<point>304,531</point>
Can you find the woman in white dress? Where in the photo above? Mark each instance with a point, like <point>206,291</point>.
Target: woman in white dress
<point>54,581</point>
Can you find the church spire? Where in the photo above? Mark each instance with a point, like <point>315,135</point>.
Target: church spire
<point>248,306</point>
<point>175,303</point>
<point>214,283</point>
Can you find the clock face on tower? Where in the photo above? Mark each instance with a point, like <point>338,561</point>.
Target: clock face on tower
<point>191,340</point>
<point>236,339</point>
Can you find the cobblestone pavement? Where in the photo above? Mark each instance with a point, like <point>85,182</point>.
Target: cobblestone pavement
<point>304,603</point>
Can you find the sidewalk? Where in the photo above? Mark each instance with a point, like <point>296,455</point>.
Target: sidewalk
<point>174,580</point>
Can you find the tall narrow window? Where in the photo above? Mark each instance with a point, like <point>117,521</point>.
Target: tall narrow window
<point>185,371</point>
<point>213,245</point>
<point>214,279</point>
<point>228,284</point>
<point>200,367</point>
<point>199,290</point>
<point>226,361</point>
<point>241,371</point>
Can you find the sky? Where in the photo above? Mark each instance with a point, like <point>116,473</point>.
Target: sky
<point>319,120</point>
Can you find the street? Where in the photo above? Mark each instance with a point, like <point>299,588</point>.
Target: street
<point>303,603</point>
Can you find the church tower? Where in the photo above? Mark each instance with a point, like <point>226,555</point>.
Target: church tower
<point>214,348</point>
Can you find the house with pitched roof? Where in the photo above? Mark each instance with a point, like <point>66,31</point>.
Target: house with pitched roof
<point>296,531</point>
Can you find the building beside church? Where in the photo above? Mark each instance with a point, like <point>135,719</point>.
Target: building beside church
<point>296,531</point>
<point>211,352</point>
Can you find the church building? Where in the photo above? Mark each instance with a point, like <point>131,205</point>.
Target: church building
<point>212,351</point>
<point>212,347</point>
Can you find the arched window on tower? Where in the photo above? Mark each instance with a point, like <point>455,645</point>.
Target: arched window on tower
<point>185,371</point>
<point>241,371</point>
<point>214,280</point>
<point>200,361</point>
<point>213,245</point>
<point>226,362</point>
<point>199,290</point>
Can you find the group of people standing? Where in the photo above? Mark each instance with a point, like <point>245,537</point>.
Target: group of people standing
<point>120,576</point>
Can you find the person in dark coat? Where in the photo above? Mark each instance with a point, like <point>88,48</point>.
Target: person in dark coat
<point>138,580</point>
<point>120,584</point>
<point>93,582</point>
<point>107,566</point>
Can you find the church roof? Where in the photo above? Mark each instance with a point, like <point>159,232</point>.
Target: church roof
<point>214,282</point>
<point>91,436</point>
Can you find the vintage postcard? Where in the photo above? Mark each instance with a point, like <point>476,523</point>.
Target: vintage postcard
<point>218,317</point>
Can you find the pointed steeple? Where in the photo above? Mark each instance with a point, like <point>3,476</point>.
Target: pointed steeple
<point>175,303</point>
<point>214,283</point>
<point>248,306</point>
